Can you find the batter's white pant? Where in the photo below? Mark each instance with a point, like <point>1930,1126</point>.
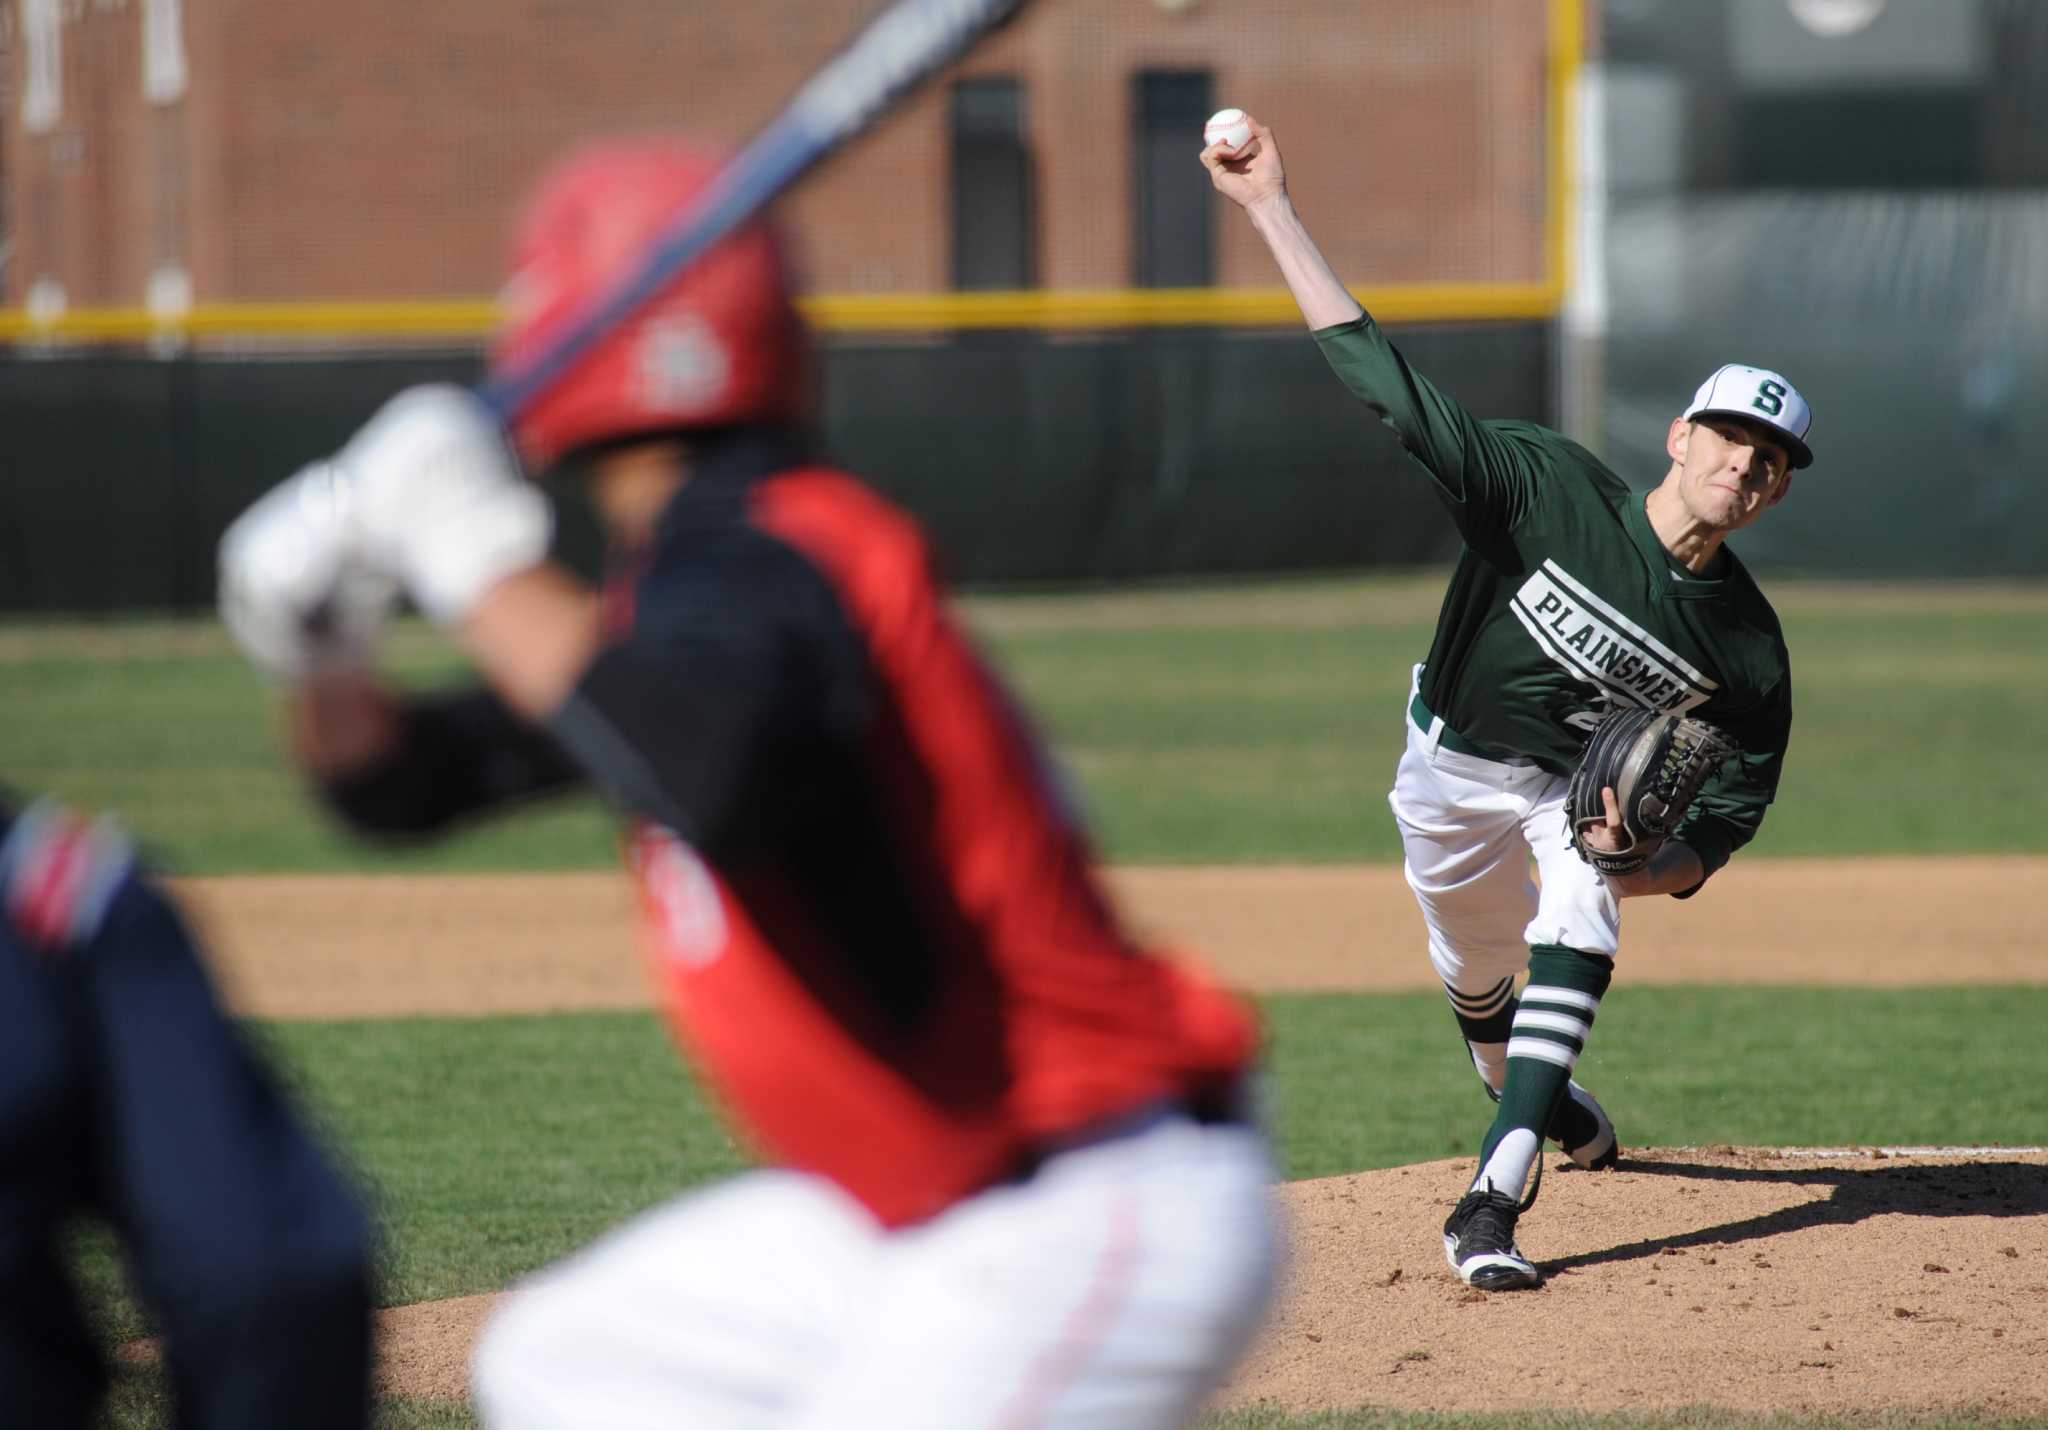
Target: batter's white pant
<point>1469,828</point>
<point>1111,1290</point>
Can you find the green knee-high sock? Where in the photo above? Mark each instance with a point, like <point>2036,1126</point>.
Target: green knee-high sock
<point>1552,1022</point>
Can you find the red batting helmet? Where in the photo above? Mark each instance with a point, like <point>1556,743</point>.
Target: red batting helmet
<point>721,343</point>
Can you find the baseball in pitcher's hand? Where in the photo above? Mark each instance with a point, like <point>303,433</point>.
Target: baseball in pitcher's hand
<point>1247,181</point>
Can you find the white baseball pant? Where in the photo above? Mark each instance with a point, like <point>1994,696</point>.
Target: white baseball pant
<point>1469,828</point>
<point>1111,1290</point>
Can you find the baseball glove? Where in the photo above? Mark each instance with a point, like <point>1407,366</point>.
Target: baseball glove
<point>1655,762</point>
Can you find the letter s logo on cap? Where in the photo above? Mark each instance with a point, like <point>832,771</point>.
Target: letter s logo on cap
<point>1770,398</point>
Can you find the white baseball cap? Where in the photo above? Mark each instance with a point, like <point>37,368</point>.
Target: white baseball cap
<point>1760,395</point>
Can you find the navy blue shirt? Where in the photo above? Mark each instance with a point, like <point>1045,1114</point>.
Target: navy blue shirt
<point>126,1094</point>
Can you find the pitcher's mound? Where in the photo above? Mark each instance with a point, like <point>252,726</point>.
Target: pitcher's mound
<point>1741,1278</point>
<point>1836,1281</point>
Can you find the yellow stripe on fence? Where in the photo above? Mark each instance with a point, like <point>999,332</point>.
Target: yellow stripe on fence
<point>469,321</point>
<point>1165,308</point>
<point>397,318</point>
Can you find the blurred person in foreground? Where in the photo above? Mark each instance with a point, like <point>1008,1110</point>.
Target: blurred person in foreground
<point>1573,598</point>
<point>127,1095</point>
<point>1012,1178</point>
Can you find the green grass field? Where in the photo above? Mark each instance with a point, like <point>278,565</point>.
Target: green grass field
<point>597,1115</point>
<point>492,1146</point>
<point>1247,723</point>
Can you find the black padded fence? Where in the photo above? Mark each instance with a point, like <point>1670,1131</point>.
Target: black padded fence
<point>1032,457</point>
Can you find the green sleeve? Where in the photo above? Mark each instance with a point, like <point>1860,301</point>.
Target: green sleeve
<point>1487,477</point>
<point>1731,807</point>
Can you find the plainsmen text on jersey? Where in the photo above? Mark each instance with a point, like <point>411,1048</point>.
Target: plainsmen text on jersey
<point>1565,605</point>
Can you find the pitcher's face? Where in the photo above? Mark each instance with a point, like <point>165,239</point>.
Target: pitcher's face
<point>1732,470</point>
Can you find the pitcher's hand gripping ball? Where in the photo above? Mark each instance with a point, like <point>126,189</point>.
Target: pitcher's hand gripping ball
<point>1655,762</point>
<point>1232,130</point>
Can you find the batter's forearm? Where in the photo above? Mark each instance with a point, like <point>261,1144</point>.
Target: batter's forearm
<point>1324,300</point>
<point>532,636</point>
<point>449,757</point>
<point>341,722</point>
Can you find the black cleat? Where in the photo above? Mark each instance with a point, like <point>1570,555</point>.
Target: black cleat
<point>1479,1242</point>
<point>1582,1128</point>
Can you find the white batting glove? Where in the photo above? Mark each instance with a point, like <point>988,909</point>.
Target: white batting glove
<point>294,591</point>
<point>439,499</point>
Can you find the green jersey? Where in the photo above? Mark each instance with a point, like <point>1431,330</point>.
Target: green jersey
<point>1565,605</point>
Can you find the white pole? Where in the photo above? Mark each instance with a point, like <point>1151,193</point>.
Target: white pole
<point>163,51</point>
<point>42,90</point>
<point>1582,369</point>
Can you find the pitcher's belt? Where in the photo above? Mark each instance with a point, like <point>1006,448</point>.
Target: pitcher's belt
<point>1450,739</point>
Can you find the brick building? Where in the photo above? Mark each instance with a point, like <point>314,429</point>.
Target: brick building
<point>238,151</point>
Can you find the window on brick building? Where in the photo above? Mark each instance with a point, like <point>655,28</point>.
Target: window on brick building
<point>1175,219</point>
<point>995,220</point>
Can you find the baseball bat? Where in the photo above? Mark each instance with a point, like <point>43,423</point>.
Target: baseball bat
<point>898,50</point>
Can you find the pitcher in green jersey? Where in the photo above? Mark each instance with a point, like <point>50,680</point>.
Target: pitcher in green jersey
<point>1573,596</point>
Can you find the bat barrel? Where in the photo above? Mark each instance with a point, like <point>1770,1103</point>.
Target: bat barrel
<point>896,52</point>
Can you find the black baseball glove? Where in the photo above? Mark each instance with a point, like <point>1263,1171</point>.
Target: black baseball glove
<point>1655,762</point>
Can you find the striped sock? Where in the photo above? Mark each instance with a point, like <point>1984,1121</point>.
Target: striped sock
<point>1486,1019</point>
<point>1551,1024</point>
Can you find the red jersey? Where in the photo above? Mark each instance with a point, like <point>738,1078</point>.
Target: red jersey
<point>1018,1011</point>
<point>875,926</point>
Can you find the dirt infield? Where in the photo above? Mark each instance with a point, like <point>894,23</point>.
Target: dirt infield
<point>392,946</point>
<point>1742,1279</point>
<point>1720,1277</point>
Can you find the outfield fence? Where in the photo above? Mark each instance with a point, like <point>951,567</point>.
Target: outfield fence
<point>1032,456</point>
